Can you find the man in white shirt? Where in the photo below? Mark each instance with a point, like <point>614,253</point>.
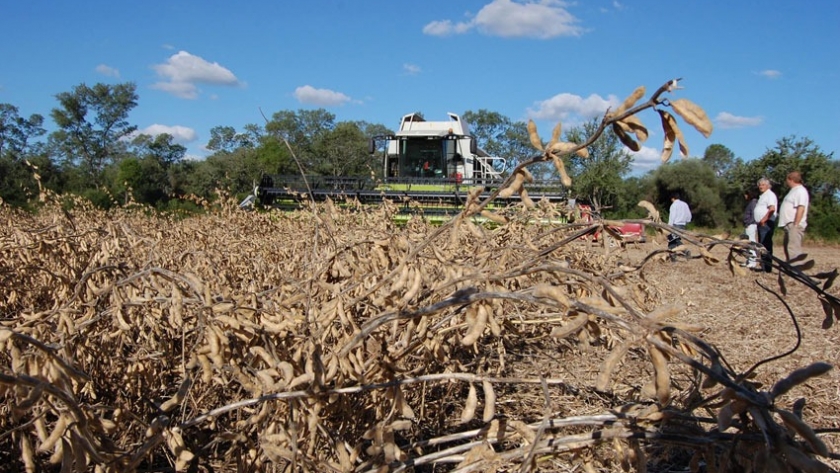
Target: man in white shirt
<point>679,215</point>
<point>765,216</point>
<point>793,215</point>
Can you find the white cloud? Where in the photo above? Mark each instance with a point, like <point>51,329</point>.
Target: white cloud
<point>770,73</point>
<point>184,90</point>
<point>411,69</point>
<point>310,95</point>
<point>446,28</point>
<point>438,28</point>
<point>180,134</point>
<point>572,108</point>
<point>727,120</point>
<point>645,159</point>
<point>541,19</point>
<point>183,71</point>
<point>107,70</point>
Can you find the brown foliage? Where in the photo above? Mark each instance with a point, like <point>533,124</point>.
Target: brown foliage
<point>336,340</point>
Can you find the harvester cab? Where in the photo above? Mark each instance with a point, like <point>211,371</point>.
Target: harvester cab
<point>436,151</point>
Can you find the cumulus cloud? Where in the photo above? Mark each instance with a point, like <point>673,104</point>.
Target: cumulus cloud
<point>727,120</point>
<point>645,159</point>
<point>107,70</point>
<point>571,108</point>
<point>411,69</point>
<point>180,134</point>
<point>182,73</point>
<point>324,97</point>
<point>446,28</point>
<point>542,19</point>
<point>770,73</point>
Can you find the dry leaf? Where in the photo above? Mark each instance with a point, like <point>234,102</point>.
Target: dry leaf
<point>536,142</point>
<point>625,138</point>
<point>694,115</point>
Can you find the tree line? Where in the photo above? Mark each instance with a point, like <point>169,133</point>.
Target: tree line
<point>96,153</point>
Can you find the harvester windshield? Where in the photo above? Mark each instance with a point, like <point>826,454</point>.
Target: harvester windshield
<point>427,158</point>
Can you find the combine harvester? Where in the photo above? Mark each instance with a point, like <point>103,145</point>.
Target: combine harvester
<point>427,166</point>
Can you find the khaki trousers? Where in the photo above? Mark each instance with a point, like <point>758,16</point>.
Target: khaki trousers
<point>793,241</point>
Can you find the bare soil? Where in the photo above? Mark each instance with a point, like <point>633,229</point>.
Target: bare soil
<point>747,319</point>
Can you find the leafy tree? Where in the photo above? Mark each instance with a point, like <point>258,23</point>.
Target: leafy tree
<point>697,184</point>
<point>342,151</point>
<point>222,138</point>
<point>489,129</point>
<point>301,129</point>
<point>273,157</point>
<point>719,158</point>
<point>91,123</point>
<point>142,178</point>
<point>499,136</point>
<point>373,129</point>
<point>17,182</point>
<point>160,148</point>
<point>16,131</point>
<point>147,170</point>
<point>633,190</point>
<point>226,139</point>
<point>598,177</point>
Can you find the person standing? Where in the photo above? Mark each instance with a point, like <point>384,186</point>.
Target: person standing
<point>750,226</point>
<point>793,215</point>
<point>679,215</point>
<point>765,217</point>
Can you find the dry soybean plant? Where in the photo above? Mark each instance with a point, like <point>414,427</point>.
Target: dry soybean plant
<point>332,339</point>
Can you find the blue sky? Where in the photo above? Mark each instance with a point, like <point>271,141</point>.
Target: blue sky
<point>762,70</point>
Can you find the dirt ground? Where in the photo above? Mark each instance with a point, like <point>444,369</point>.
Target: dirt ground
<point>748,324</point>
<point>745,322</point>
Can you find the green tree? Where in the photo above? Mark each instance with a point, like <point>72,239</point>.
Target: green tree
<point>719,158</point>
<point>142,178</point>
<point>697,184</point>
<point>273,157</point>
<point>301,130</point>
<point>17,181</point>
<point>499,136</point>
<point>16,132</point>
<point>91,124</point>
<point>633,190</point>
<point>489,129</point>
<point>343,151</point>
<point>147,171</point>
<point>226,139</point>
<point>161,148</point>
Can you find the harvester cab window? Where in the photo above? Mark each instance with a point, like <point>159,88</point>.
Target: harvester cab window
<point>422,158</point>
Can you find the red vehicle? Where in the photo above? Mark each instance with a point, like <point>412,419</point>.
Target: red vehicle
<point>628,232</point>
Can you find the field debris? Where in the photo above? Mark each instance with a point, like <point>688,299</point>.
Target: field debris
<point>332,339</point>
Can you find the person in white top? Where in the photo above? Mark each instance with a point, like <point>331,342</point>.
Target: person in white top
<point>765,218</point>
<point>793,215</point>
<point>679,215</point>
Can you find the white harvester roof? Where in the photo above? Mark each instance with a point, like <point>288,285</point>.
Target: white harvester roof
<point>413,125</point>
